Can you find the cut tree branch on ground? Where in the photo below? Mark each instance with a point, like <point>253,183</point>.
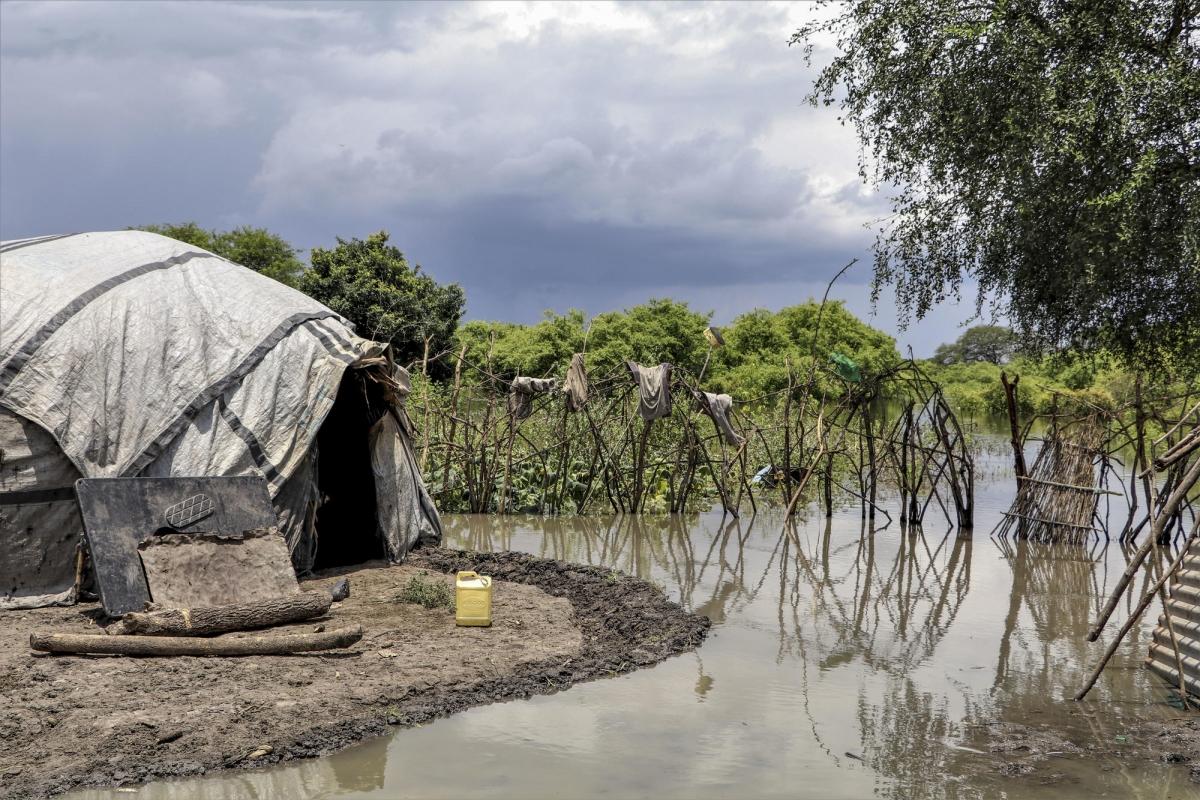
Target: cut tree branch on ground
<point>222,619</point>
<point>186,646</point>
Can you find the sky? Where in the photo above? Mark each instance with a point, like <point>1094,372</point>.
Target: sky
<point>588,155</point>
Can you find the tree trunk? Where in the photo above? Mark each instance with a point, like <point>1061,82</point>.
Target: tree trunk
<point>221,619</point>
<point>873,467</point>
<point>1010,399</point>
<point>186,646</point>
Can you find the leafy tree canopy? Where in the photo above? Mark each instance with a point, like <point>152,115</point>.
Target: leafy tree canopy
<point>509,349</point>
<point>758,343</point>
<point>992,343</point>
<point>1047,150</point>
<point>369,282</point>
<point>750,365</point>
<point>655,331</point>
<point>650,333</point>
<point>256,248</point>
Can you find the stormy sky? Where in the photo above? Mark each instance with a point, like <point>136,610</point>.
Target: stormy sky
<point>578,156</point>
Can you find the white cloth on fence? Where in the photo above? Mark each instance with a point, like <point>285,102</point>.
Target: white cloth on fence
<point>718,408</point>
<point>654,390</point>
<point>521,394</point>
<point>575,387</point>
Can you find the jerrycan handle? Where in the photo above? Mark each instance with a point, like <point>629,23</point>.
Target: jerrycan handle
<point>467,575</point>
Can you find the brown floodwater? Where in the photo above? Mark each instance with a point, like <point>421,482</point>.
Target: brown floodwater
<point>842,663</point>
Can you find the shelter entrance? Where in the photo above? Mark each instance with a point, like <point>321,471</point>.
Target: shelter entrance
<point>347,519</point>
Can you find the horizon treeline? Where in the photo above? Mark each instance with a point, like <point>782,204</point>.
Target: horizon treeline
<point>371,283</point>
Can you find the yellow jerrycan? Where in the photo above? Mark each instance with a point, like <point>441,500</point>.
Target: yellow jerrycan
<point>473,599</point>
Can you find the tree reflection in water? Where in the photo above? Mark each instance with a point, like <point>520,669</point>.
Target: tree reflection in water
<point>843,661</point>
<point>879,607</point>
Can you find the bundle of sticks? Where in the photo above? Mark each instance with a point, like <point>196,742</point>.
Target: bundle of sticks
<point>1056,501</point>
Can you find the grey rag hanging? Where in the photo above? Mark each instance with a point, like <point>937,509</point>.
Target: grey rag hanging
<point>521,393</point>
<point>575,387</point>
<point>718,406</point>
<point>654,390</point>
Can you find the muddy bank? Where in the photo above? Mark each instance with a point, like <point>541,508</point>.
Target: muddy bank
<point>74,721</point>
<point>1040,752</point>
<point>1005,757</point>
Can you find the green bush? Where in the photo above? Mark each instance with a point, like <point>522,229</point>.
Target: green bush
<point>430,593</point>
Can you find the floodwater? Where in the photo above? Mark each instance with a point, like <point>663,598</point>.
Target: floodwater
<point>842,663</point>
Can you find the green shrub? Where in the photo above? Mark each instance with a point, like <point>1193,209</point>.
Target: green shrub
<point>426,592</point>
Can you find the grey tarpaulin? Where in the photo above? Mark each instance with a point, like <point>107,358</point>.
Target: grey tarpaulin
<point>407,515</point>
<point>654,390</point>
<point>575,387</point>
<point>127,353</point>
<point>718,407</point>
<point>521,393</point>
<point>39,518</point>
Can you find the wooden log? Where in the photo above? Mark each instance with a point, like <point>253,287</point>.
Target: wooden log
<point>187,646</point>
<point>222,619</point>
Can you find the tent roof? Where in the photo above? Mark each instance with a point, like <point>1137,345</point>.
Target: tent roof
<point>114,342</point>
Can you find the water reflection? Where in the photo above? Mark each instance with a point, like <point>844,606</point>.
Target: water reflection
<point>318,778</point>
<point>843,662</point>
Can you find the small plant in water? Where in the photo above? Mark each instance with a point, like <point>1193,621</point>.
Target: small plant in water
<point>428,593</point>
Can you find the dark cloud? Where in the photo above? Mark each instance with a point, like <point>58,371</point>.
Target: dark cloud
<point>581,156</point>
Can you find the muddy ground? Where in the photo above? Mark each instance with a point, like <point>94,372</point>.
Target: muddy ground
<point>74,721</point>
<point>1046,755</point>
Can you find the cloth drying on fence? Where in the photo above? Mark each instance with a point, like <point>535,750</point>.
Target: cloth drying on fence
<point>654,390</point>
<point>845,367</point>
<point>575,387</point>
<point>520,397</point>
<point>718,406</point>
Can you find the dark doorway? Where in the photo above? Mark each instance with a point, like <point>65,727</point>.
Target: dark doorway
<point>347,529</point>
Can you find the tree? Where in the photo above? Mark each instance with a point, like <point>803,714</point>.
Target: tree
<point>509,349</point>
<point>655,331</point>
<point>256,248</point>
<point>994,344</point>
<point>1048,151</point>
<point>752,364</point>
<point>261,251</point>
<point>188,232</point>
<point>370,283</point>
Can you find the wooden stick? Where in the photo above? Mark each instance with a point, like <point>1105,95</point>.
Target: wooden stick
<point>1010,400</point>
<point>221,619</point>
<point>1071,486</point>
<point>1048,522</point>
<point>1156,528</point>
<point>1142,605</point>
<point>185,646</point>
<point>1181,449</point>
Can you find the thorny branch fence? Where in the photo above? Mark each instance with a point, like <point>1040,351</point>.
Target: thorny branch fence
<point>483,449</point>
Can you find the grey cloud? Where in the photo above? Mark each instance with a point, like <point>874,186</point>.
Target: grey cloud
<point>570,161</point>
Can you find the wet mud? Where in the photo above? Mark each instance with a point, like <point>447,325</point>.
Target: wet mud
<point>80,721</point>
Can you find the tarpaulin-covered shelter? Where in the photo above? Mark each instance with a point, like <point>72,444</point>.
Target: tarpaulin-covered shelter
<point>130,354</point>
